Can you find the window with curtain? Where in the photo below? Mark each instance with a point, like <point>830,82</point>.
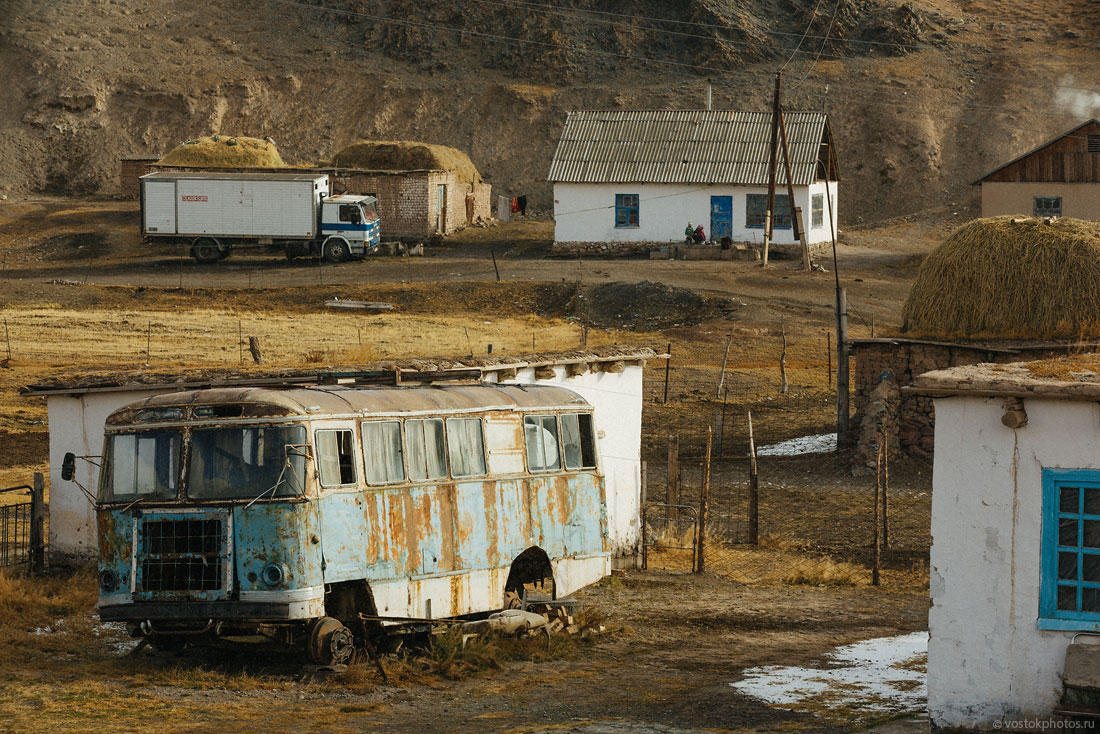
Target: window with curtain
<point>424,448</point>
<point>465,447</point>
<point>383,458</point>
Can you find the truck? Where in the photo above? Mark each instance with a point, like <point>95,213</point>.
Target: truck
<point>213,213</point>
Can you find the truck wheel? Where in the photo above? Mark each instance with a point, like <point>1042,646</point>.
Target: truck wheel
<point>205,250</point>
<point>335,250</point>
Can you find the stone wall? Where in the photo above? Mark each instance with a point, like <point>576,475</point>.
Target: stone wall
<point>906,359</point>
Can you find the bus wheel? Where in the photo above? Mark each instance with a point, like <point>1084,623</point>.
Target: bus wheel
<point>205,250</point>
<point>330,642</point>
<point>512,600</point>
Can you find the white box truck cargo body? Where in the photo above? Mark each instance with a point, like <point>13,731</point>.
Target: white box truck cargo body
<point>213,212</point>
<point>233,204</point>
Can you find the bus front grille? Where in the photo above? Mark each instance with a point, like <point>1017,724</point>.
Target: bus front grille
<point>182,555</point>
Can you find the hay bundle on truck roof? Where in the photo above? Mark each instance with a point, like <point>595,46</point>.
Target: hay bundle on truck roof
<point>1009,278</point>
<point>407,155</point>
<point>226,151</point>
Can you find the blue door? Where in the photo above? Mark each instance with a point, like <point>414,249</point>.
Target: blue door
<point>721,217</point>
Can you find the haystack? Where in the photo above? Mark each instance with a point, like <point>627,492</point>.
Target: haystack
<point>225,151</point>
<point>407,155</point>
<point>1009,278</point>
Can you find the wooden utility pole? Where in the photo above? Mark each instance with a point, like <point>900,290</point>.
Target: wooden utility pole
<point>769,213</point>
<point>796,223</point>
<point>754,491</point>
<point>641,511</point>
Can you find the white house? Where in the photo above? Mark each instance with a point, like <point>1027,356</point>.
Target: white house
<point>610,379</point>
<point>642,175</point>
<point>1015,560</point>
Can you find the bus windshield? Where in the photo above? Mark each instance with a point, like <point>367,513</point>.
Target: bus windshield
<point>247,462</point>
<point>140,466</point>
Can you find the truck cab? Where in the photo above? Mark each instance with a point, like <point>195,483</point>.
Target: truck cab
<point>349,226</point>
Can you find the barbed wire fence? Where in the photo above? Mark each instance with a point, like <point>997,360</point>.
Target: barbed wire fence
<point>782,513</point>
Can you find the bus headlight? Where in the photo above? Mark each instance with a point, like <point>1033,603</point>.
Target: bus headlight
<point>108,581</point>
<point>274,574</point>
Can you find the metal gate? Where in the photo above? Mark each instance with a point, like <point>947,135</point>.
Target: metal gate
<point>15,527</point>
<point>670,536</point>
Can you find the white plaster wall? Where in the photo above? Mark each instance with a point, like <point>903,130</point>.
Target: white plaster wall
<point>617,400</point>
<point>76,425</point>
<point>586,212</point>
<point>987,659</point>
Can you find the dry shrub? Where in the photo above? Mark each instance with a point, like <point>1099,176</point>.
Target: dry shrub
<point>994,278</point>
<point>225,151</point>
<point>43,616</point>
<point>406,155</point>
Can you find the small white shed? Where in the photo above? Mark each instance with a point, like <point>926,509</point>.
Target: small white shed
<point>642,175</point>
<point>609,378</point>
<point>1015,559</point>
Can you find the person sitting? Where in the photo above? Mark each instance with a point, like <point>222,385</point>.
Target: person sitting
<point>698,236</point>
<point>688,232</point>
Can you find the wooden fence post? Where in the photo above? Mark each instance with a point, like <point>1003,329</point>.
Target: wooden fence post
<point>885,490</point>
<point>641,516</point>
<point>754,491</point>
<point>876,559</point>
<point>704,508</point>
<point>668,365</point>
<point>38,525</point>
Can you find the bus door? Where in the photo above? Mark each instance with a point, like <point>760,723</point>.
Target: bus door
<point>343,525</point>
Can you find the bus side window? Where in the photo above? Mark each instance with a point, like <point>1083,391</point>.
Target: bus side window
<point>424,447</point>
<point>336,457</point>
<point>541,435</point>
<point>382,454</point>
<point>466,447</point>
<point>576,439</point>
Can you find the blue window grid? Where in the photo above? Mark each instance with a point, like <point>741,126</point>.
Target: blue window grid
<point>1072,516</point>
<point>756,207</point>
<point>626,211</point>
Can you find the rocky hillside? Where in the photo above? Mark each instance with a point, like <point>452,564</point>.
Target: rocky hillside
<point>924,96</point>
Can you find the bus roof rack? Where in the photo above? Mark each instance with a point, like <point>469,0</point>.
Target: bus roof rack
<point>401,377</point>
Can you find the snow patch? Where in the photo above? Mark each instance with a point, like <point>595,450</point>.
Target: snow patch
<point>818,444</point>
<point>874,676</point>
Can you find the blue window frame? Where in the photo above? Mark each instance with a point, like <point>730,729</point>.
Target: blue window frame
<point>756,207</point>
<point>1070,591</point>
<point>626,211</point>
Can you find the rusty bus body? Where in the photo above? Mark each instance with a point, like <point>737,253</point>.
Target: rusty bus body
<point>296,511</point>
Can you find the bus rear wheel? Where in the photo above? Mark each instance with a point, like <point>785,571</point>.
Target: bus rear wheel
<point>330,642</point>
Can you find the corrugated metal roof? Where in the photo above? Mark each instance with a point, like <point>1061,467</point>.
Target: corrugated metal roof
<point>683,146</point>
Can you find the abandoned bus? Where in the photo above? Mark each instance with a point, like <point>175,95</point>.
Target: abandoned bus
<point>296,512</point>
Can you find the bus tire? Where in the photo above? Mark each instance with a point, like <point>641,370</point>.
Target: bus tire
<point>330,642</point>
<point>335,250</point>
<point>205,250</point>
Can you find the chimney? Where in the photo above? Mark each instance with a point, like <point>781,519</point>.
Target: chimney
<point>710,105</point>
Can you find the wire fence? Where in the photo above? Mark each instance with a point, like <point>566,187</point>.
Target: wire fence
<point>799,511</point>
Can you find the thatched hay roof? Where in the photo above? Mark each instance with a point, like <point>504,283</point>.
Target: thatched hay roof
<point>406,155</point>
<point>1009,277</point>
<point>226,151</point>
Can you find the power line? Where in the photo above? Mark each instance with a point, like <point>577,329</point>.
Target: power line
<point>677,64</point>
<point>809,24</point>
<point>561,10</point>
